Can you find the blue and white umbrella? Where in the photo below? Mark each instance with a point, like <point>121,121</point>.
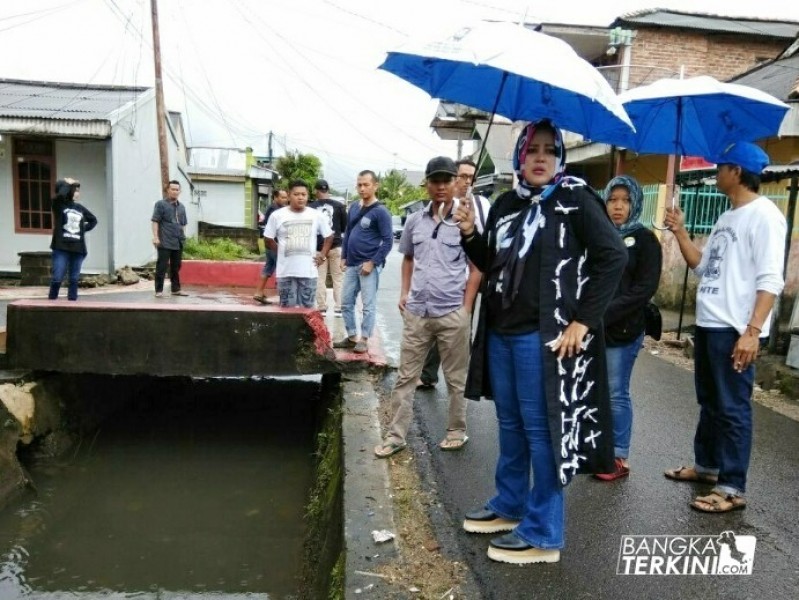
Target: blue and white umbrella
<point>699,116</point>
<point>513,71</point>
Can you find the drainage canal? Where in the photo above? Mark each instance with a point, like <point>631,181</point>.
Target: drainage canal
<point>173,488</point>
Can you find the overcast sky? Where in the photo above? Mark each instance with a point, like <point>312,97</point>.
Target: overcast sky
<point>304,69</point>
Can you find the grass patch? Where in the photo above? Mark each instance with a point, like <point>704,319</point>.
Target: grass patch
<point>216,249</point>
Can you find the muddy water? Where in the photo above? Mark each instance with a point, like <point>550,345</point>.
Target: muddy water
<point>191,491</point>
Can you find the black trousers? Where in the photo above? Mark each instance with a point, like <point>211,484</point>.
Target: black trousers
<point>172,258</point>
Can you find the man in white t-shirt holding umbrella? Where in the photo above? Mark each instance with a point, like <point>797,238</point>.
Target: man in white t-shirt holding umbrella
<point>740,271</point>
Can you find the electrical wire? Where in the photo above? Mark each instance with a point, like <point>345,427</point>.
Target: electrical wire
<point>336,84</point>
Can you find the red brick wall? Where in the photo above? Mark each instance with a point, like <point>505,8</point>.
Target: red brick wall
<point>702,53</point>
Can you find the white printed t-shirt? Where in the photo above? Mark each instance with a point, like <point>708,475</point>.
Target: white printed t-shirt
<point>295,234</point>
<point>743,255</point>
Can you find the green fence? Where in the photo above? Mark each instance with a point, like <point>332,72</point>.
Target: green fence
<point>703,205</point>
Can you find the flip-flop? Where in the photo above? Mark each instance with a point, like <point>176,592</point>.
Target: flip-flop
<point>387,449</point>
<point>718,503</point>
<point>689,474</point>
<point>451,444</point>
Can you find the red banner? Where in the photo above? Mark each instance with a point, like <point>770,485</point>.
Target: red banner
<point>695,163</point>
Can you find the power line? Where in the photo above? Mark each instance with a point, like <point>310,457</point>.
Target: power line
<point>201,104</point>
<point>205,75</point>
<point>365,18</point>
<point>36,15</point>
<point>345,91</point>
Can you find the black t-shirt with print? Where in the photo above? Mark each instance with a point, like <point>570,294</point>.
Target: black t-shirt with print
<point>336,216</point>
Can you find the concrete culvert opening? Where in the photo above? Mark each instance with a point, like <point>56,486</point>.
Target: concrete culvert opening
<point>173,486</point>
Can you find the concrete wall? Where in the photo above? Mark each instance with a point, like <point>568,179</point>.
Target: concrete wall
<point>80,159</point>
<point>136,183</point>
<point>222,204</point>
<point>85,160</point>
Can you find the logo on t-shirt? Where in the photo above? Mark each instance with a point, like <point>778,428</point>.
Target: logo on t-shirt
<point>72,224</point>
<point>298,238</point>
<point>328,211</point>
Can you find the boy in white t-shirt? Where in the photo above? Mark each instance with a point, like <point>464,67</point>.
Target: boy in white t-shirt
<point>740,272</point>
<point>291,232</point>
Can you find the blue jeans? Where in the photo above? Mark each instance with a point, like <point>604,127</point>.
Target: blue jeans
<point>270,264</point>
<point>516,369</point>
<point>64,261</point>
<point>723,440</point>
<point>354,282</point>
<point>297,291</point>
<point>621,360</point>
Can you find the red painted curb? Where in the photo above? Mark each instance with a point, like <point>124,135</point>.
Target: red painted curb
<point>223,273</point>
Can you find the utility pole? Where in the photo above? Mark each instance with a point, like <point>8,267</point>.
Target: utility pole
<point>160,111</point>
<point>270,147</point>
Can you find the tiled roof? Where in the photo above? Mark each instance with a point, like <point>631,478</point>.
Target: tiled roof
<point>73,101</point>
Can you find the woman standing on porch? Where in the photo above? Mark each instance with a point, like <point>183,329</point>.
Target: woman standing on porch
<point>71,221</point>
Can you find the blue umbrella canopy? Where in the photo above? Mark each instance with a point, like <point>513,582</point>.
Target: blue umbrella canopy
<point>698,116</point>
<point>508,69</point>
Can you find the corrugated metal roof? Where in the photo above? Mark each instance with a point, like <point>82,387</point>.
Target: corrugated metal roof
<point>778,78</point>
<point>198,172</point>
<point>707,22</point>
<point>74,101</point>
<point>257,172</point>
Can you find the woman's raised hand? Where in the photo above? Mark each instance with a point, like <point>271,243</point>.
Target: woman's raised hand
<point>464,216</point>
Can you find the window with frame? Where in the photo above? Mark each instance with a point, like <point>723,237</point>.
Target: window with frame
<point>34,185</point>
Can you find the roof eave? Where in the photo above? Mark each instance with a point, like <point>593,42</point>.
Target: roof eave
<point>80,128</point>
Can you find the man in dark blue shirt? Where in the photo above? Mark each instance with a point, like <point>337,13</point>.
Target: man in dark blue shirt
<point>169,234</point>
<point>366,244</point>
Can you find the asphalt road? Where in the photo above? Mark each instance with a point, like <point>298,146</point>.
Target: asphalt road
<point>599,513</point>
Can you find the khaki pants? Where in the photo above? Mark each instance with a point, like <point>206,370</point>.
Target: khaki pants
<point>451,333</point>
<point>333,263</point>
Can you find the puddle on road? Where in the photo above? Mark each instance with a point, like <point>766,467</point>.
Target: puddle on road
<point>197,491</point>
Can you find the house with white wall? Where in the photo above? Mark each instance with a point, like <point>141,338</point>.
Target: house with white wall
<point>230,185</point>
<point>104,136</point>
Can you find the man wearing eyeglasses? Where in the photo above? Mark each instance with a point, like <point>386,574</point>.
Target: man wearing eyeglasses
<point>439,285</point>
<point>464,182</point>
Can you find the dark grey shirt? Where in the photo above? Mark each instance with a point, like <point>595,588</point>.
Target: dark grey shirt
<point>440,266</point>
<point>171,219</point>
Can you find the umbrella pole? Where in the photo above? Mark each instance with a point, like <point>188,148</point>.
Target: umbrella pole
<point>481,157</point>
<point>694,210</point>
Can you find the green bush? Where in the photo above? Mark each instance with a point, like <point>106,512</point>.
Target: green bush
<point>216,249</point>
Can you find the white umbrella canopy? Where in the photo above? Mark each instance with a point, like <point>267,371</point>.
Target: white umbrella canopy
<point>508,69</point>
<point>698,116</point>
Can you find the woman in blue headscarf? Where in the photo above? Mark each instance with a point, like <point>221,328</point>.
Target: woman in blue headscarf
<point>551,260</point>
<point>624,319</point>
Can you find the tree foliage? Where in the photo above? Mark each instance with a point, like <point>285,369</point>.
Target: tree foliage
<point>295,165</point>
<point>394,191</point>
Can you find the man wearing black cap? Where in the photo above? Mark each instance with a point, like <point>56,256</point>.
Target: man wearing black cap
<point>439,285</point>
<point>740,271</point>
<point>336,216</point>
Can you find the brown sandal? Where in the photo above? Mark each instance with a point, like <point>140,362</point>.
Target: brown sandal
<point>455,440</point>
<point>718,503</point>
<point>689,474</point>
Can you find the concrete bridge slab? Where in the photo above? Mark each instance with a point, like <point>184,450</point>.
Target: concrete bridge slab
<point>168,339</point>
